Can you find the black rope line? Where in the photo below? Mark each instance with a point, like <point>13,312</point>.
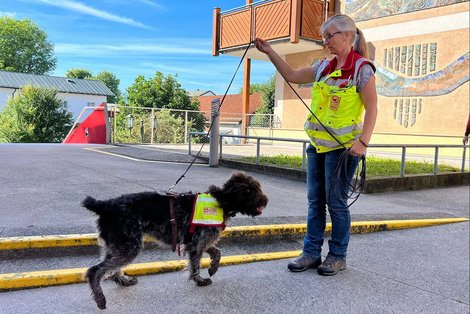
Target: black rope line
<point>217,113</point>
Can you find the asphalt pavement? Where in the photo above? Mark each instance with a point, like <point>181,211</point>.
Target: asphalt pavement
<point>422,270</point>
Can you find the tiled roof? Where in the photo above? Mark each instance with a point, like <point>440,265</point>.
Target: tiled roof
<point>231,104</point>
<point>61,84</point>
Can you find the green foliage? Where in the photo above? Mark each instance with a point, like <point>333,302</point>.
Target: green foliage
<point>108,78</point>
<point>159,92</point>
<point>78,73</point>
<point>24,47</point>
<point>268,92</point>
<point>167,129</point>
<point>376,167</point>
<point>36,115</point>
<point>112,82</point>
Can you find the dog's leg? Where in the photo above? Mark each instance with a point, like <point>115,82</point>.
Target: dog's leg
<point>123,280</point>
<point>215,255</point>
<point>195,255</point>
<point>115,259</point>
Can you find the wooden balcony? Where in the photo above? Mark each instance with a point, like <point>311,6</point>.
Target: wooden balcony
<point>290,26</point>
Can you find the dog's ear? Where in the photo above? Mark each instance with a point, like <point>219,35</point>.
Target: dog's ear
<point>214,190</point>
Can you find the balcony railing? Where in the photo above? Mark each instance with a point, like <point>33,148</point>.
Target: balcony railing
<point>289,20</point>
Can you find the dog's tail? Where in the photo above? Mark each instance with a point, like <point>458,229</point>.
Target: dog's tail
<point>94,205</point>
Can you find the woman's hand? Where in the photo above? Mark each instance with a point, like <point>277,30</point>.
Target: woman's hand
<point>262,45</point>
<point>357,149</point>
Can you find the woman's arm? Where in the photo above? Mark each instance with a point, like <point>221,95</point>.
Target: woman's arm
<point>300,76</point>
<point>369,98</point>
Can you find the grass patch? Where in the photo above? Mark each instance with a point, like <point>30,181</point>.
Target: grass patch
<point>376,167</point>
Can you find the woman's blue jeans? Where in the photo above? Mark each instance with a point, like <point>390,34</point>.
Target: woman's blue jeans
<point>323,190</point>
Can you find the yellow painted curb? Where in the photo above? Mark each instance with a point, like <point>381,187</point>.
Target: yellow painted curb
<point>76,275</point>
<point>27,242</point>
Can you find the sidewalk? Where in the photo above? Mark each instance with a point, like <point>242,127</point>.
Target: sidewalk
<point>415,270</point>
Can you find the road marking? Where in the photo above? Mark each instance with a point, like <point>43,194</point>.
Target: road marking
<point>141,160</point>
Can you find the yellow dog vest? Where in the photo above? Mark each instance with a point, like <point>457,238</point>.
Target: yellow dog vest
<point>206,212</point>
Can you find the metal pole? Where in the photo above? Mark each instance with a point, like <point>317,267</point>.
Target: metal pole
<point>403,153</point>
<point>186,126</point>
<point>214,135</point>
<point>258,144</point>
<point>463,157</point>
<point>436,158</point>
<point>152,125</point>
<point>190,140</point>
<point>221,143</point>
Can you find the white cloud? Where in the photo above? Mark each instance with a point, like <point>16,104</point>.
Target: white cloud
<point>136,48</point>
<point>80,7</point>
<point>10,14</point>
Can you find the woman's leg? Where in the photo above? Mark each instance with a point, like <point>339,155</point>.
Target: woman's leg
<point>316,215</point>
<point>337,191</point>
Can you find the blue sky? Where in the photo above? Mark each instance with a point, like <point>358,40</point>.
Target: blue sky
<point>136,37</point>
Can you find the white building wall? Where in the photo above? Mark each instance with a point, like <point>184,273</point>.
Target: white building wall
<point>5,94</point>
<point>75,102</point>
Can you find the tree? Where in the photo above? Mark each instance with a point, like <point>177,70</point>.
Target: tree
<point>78,73</point>
<point>268,92</point>
<point>112,82</point>
<point>159,92</point>
<point>108,78</point>
<point>36,115</point>
<point>24,47</point>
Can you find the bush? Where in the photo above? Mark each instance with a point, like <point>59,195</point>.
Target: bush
<point>35,115</point>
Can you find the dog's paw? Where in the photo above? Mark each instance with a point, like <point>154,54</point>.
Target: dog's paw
<point>101,303</point>
<point>204,282</point>
<point>212,271</point>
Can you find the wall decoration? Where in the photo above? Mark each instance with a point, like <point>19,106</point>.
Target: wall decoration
<point>363,10</point>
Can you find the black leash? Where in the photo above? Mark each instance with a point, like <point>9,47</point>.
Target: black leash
<point>340,173</point>
<point>212,120</point>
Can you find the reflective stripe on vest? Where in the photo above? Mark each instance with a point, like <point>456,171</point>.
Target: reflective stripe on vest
<point>339,109</point>
<point>207,211</point>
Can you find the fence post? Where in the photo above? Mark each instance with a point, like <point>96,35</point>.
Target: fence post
<point>214,135</point>
<point>463,157</point>
<point>403,160</point>
<point>186,126</point>
<point>436,158</point>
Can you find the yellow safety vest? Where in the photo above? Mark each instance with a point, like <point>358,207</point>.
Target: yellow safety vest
<point>339,109</point>
<point>207,212</point>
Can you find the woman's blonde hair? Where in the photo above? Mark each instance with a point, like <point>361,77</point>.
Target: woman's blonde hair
<point>345,24</point>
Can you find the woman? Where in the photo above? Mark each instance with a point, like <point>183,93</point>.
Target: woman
<point>343,87</point>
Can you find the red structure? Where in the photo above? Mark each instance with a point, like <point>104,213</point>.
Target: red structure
<point>91,131</point>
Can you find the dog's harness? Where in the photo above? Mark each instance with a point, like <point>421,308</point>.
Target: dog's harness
<point>206,212</point>
<point>174,230</point>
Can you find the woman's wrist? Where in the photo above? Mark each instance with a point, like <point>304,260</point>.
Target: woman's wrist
<point>363,143</point>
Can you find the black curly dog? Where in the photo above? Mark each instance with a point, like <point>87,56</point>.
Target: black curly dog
<point>123,221</point>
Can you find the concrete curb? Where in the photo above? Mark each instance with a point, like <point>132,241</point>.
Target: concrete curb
<point>76,275</point>
<point>90,239</point>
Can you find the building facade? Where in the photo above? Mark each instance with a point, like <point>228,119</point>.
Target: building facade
<point>421,52</point>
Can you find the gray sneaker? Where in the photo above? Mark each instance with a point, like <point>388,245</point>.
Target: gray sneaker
<point>331,266</point>
<point>303,263</point>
